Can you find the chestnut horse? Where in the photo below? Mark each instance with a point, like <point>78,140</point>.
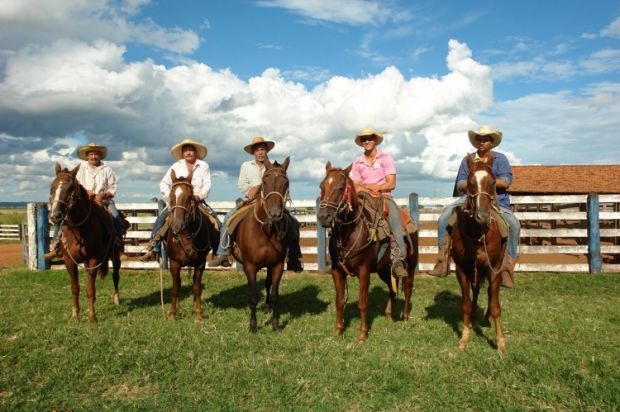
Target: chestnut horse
<point>259,240</point>
<point>190,237</point>
<point>478,248</point>
<point>84,237</point>
<point>353,249</point>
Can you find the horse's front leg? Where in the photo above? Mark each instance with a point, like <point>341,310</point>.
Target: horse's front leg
<point>250,273</point>
<point>466,306</point>
<point>91,291</point>
<point>495,312</point>
<point>72,268</point>
<point>175,272</point>
<point>268,285</point>
<point>275,295</point>
<point>362,304</point>
<point>198,293</point>
<point>339,283</point>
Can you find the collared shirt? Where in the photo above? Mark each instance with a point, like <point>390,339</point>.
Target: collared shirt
<point>376,172</point>
<point>501,169</point>
<point>250,175</point>
<point>98,180</point>
<point>201,179</point>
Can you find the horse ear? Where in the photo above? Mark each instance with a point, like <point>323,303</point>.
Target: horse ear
<point>57,168</point>
<point>286,162</point>
<point>328,166</point>
<point>189,176</point>
<point>348,169</point>
<point>173,175</point>
<point>75,170</point>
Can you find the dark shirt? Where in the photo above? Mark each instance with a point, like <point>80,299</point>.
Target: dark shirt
<point>501,169</point>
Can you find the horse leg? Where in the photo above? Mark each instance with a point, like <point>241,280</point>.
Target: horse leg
<point>275,296</point>
<point>362,304</point>
<point>198,293</point>
<point>495,312</point>
<point>91,292</point>
<point>116,266</point>
<point>339,280</point>
<point>386,276</point>
<point>175,272</point>
<point>250,273</point>
<point>268,286</point>
<point>408,289</point>
<point>466,306</point>
<point>75,289</point>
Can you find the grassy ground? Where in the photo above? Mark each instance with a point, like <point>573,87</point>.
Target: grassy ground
<point>562,334</point>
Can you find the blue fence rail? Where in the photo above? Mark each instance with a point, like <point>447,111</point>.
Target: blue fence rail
<point>574,233</point>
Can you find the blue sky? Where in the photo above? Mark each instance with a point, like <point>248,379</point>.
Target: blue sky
<point>139,75</point>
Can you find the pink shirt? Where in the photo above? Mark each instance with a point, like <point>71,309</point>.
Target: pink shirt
<point>365,173</point>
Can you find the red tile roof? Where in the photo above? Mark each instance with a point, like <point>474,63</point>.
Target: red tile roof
<point>565,179</point>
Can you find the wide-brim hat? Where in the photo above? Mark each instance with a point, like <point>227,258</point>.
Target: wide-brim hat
<point>259,140</point>
<point>177,149</point>
<point>487,131</point>
<point>82,151</point>
<point>369,132</point>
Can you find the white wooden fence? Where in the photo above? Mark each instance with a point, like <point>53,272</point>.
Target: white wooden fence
<point>10,232</point>
<point>556,235</point>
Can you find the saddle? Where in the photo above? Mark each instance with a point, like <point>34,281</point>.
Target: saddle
<point>378,227</point>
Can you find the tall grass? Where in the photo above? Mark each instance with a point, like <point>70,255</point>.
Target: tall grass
<point>562,334</point>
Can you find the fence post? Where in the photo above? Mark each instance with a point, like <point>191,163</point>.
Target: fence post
<point>594,235</point>
<point>43,234</point>
<point>321,248</point>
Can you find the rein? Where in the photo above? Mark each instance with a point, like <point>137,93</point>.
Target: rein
<point>261,204</point>
<point>190,213</point>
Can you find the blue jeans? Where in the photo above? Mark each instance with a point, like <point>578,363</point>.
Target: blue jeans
<point>514,227</point>
<point>396,226</point>
<point>224,237</point>
<point>118,221</point>
<point>159,222</point>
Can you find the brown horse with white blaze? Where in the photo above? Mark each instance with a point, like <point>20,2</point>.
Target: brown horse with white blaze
<point>354,249</point>
<point>478,249</point>
<point>85,237</point>
<point>190,237</point>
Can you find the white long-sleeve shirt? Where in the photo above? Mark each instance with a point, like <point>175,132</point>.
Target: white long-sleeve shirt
<point>201,179</point>
<point>97,180</point>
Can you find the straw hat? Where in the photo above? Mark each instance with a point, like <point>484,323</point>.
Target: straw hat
<point>488,131</point>
<point>259,140</point>
<point>177,149</point>
<point>369,132</point>
<point>82,151</point>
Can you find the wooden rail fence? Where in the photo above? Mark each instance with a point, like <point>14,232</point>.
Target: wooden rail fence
<point>575,233</point>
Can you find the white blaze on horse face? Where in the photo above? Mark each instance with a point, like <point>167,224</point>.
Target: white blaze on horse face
<point>56,196</point>
<point>479,175</point>
<point>178,192</point>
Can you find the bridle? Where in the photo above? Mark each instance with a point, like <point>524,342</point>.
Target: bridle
<point>275,173</point>
<point>189,213</point>
<point>344,206</point>
<point>55,200</point>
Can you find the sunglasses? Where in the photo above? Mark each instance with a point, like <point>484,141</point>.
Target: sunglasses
<point>367,139</point>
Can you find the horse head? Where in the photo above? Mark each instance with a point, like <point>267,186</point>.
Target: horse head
<point>181,201</point>
<point>481,192</point>
<point>338,197</point>
<point>65,191</point>
<point>275,190</point>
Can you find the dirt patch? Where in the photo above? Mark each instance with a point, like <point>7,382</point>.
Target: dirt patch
<point>10,254</point>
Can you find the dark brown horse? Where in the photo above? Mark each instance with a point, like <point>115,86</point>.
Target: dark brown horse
<point>259,240</point>
<point>84,237</point>
<point>190,237</point>
<point>353,249</point>
<point>478,249</point>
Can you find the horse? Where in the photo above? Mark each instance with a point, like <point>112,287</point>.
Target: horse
<point>259,240</point>
<point>354,250</point>
<point>190,237</point>
<point>478,248</point>
<point>84,238</point>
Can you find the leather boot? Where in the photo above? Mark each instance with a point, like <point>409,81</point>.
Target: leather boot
<point>398,269</point>
<point>442,266</point>
<point>54,250</point>
<point>220,260</point>
<point>150,252</point>
<point>508,271</point>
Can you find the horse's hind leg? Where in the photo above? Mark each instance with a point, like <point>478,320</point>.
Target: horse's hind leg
<point>175,272</point>
<point>275,298</point>
<point>362,305</point>
<point>250,274</point>
<point>92,295</point>
<point>268,286</point>
<point>116,278</point>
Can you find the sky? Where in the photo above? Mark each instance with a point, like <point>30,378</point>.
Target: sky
<point>138,76</point>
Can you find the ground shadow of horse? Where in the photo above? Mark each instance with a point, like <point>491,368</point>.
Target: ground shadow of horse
<point>295,304</point>
<point>447,307</point>
<point>154,299</point>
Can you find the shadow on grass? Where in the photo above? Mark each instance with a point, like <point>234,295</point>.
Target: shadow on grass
<point>447,307</point>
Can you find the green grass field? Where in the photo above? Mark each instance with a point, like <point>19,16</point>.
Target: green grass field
<point>562,334</point>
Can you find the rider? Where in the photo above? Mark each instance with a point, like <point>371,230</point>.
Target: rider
<point>189,155</point>
<point>249,182</point>
<point>100,183</point>
<point>374,172</point>
<point>484,140</point>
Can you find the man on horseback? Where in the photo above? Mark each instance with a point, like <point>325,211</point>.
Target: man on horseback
<point>189,155</point>
<point>484,140</point>
<point>101,183</point>
<point>374,172</point>
<point>249,182</point>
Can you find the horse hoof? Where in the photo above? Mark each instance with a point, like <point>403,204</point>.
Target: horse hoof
<point>462,345</point>
<point>362,338</point>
